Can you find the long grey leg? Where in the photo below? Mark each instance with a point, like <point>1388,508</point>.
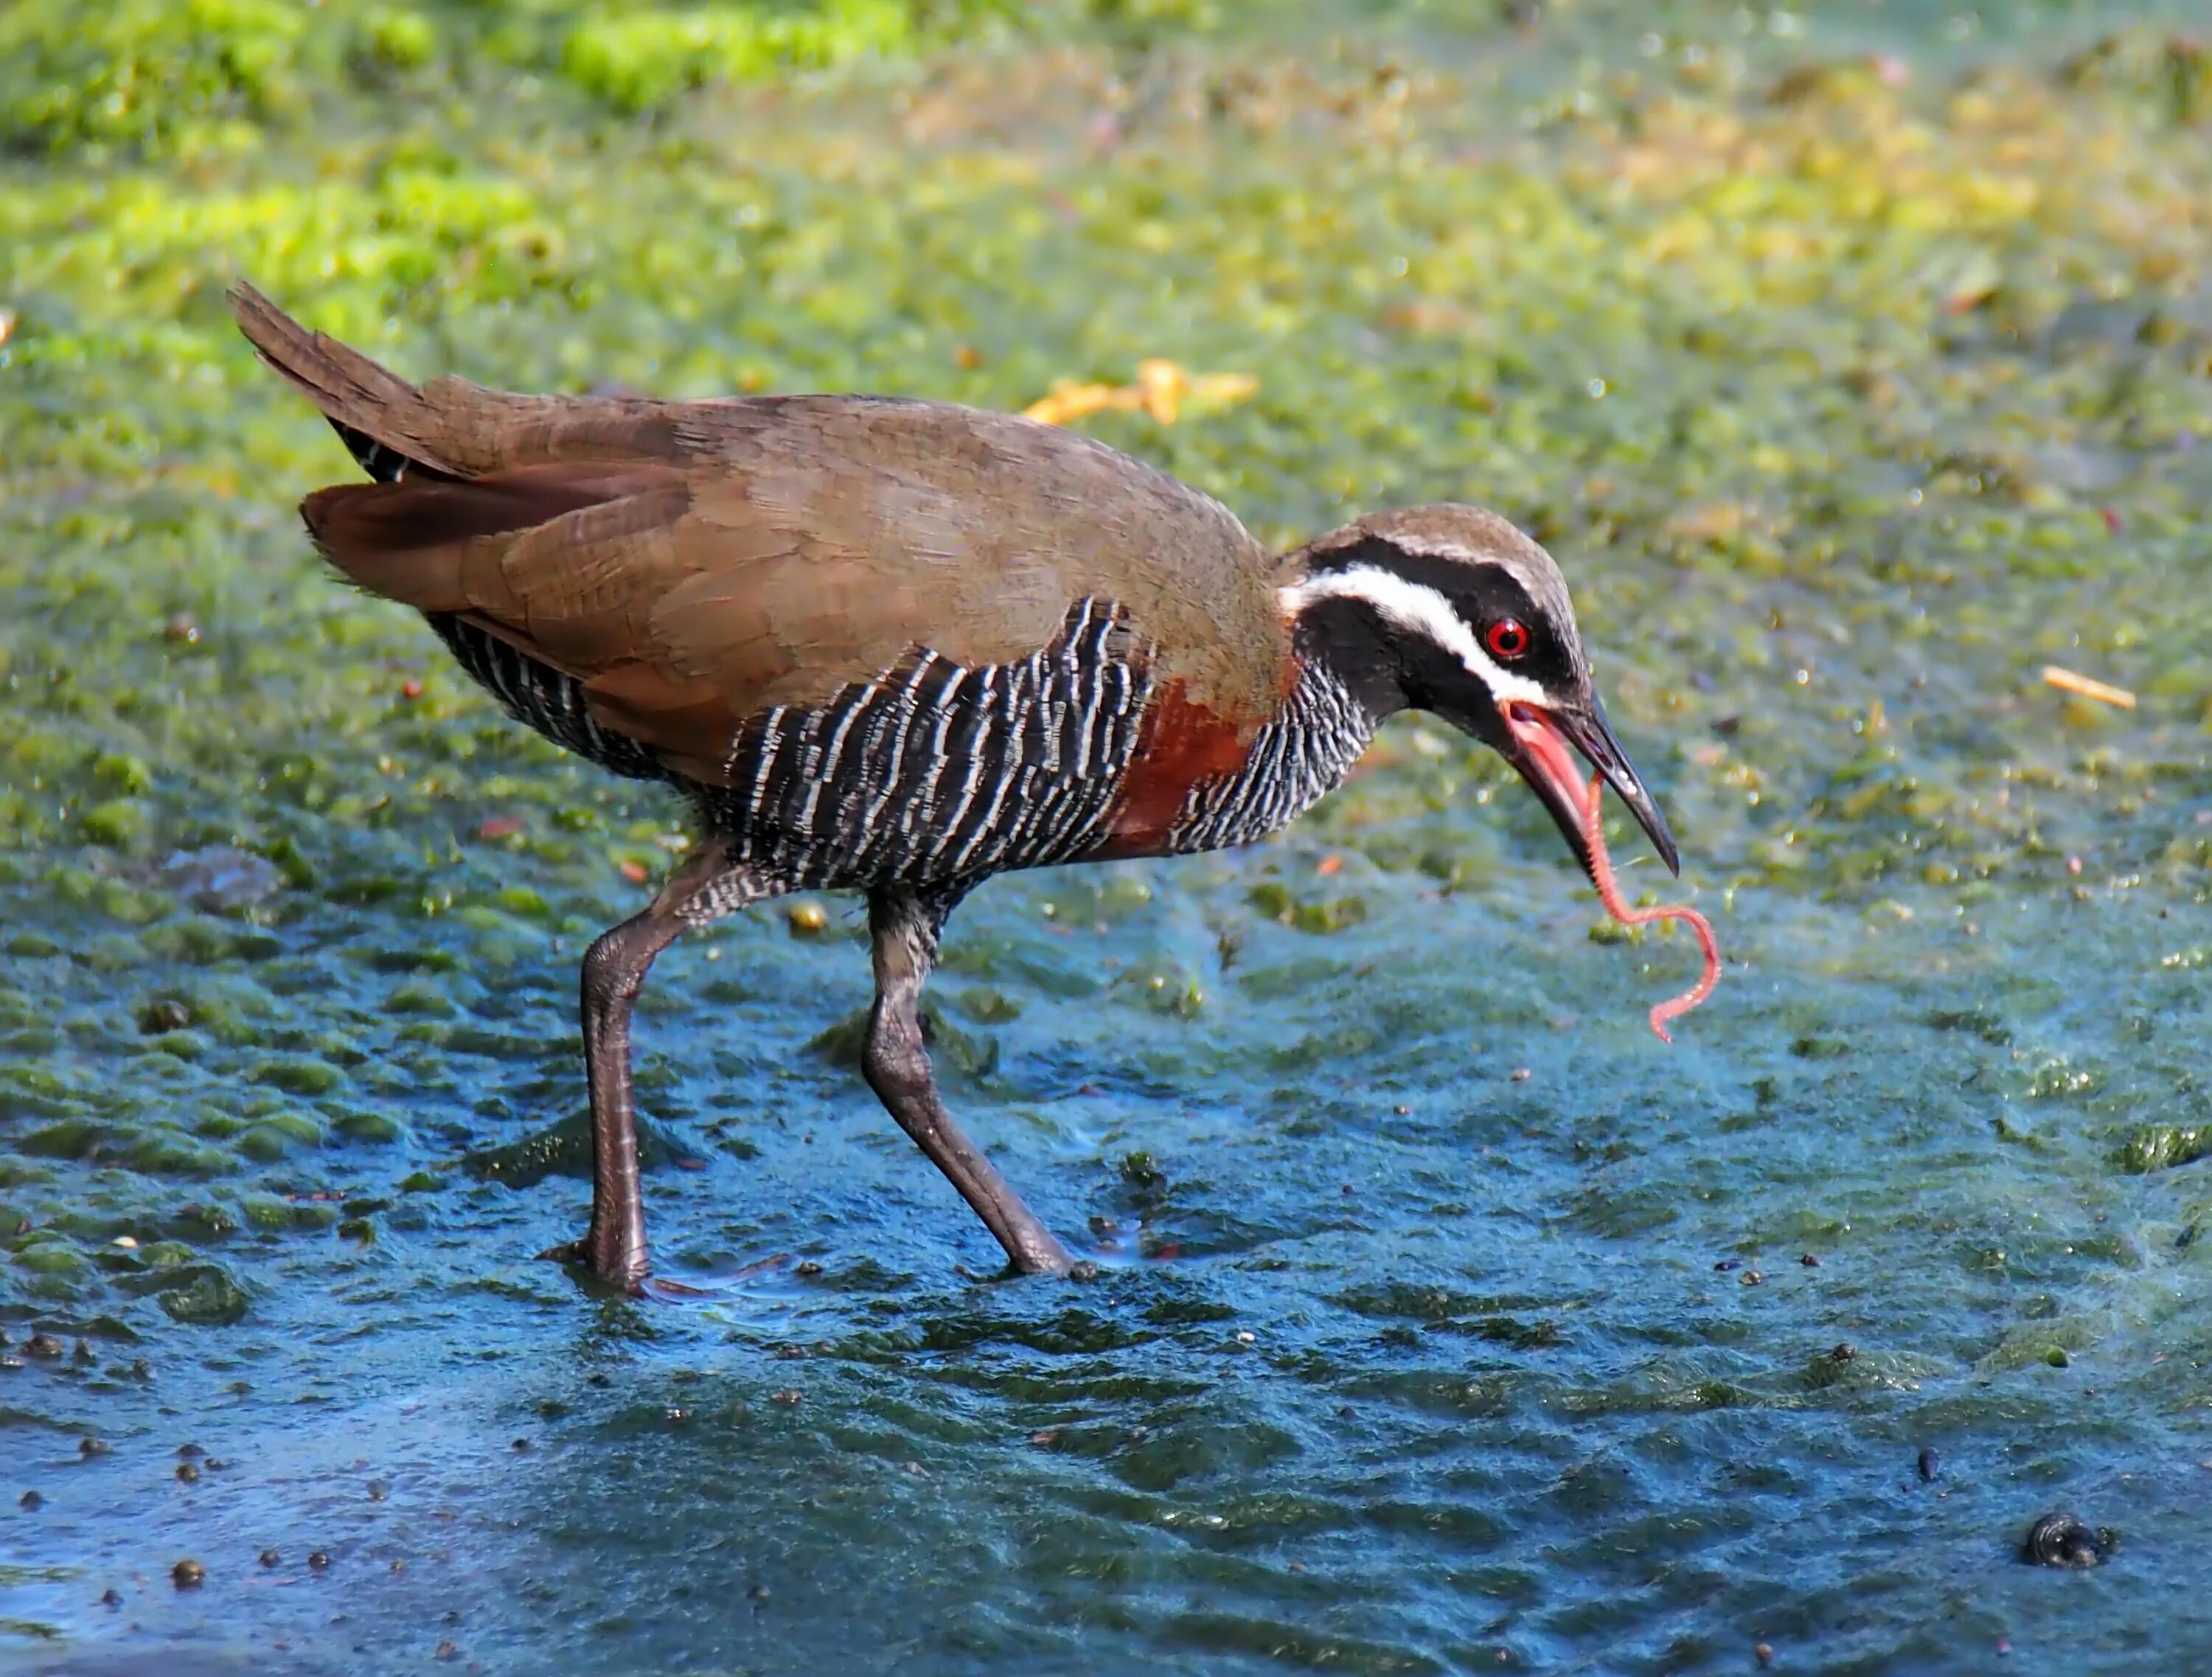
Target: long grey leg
<point>702,888</point>
<point>904,924</point>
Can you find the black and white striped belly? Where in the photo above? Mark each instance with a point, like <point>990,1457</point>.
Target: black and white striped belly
<point>935,771</point>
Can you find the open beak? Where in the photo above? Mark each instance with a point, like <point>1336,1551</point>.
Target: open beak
<point>1541,739</point>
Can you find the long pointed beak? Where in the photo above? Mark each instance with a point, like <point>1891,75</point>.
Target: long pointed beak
<point>1542,738</point>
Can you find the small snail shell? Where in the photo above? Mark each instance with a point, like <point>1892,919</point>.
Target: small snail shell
<point>2061,1540</point>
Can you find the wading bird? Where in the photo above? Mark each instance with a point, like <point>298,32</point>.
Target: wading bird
<point>898,646</point>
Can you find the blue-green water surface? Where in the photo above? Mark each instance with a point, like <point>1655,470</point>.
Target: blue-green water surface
<point>1856,361</point>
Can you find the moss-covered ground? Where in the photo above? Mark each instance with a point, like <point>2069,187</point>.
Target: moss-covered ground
<point>1857,363</point>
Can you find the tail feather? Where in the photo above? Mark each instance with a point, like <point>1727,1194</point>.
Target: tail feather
<point>362,398</point>
<point>440,544</point>
<point>448,428</point>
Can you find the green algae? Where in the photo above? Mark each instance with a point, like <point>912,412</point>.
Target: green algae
<point>1856,368</point>
<point>211,75</point>
<point>2164,1148</point>
<point>205,1298</point>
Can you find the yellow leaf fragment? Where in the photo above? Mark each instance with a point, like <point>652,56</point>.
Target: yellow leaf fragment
<point>1716,521</point>
<point>1161,390</point>
<point>2067,681</point>
<point>1070,400</point>
<point>1223,389</point>
<point>1161,386</point>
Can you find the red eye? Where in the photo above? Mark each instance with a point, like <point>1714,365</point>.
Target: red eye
<point>1507,638</point>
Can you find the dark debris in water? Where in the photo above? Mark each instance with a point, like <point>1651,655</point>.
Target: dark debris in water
<point>163,1015</point>
<point>2065,1540</point>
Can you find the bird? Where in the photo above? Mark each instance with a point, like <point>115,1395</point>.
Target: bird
<point>899,646</point>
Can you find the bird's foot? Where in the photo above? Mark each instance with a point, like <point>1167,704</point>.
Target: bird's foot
<point>724,1284</point>
<point>670,1292</point>
<point>622,1266</point>
<point>632,1273</point>
<point>1034,1251</point>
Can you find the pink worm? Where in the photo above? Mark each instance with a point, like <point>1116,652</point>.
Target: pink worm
<point>1608,892</point>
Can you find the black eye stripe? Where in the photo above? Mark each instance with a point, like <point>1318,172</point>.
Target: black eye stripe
<point>1480,591</point>
<point>1460,581</point>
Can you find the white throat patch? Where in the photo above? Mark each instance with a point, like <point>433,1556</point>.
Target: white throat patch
<point>1418,610</point>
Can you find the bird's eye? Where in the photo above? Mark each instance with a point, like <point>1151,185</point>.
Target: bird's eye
<point>1507,638</point>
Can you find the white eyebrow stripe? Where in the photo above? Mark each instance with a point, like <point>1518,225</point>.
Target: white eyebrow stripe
<point>1420,609</point>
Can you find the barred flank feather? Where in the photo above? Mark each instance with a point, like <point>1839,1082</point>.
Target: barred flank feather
<point>934,772</point>
<point>542,698</point>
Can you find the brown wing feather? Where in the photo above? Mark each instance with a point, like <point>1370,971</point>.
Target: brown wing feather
<point>438,546</point>
<point>693,564</point>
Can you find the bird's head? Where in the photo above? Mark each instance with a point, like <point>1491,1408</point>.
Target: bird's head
<point>1453,611</point>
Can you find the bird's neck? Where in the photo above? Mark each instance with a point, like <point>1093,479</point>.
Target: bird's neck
<point>1332,720</point>
<point>1339,640</point>
<point>1299,758</point>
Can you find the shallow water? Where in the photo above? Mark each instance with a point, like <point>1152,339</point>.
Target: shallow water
<point>1847,408</point>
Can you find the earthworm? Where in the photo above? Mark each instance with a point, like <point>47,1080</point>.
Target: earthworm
<point>1608,892</point>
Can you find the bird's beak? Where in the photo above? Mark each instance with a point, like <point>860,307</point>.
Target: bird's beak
<point>1541,737</point>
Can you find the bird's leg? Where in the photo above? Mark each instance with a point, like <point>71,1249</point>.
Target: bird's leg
<point>904,925</point>
<point>700,889</point>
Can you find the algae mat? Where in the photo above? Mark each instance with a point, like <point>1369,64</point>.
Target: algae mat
<point>1854,360</point>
